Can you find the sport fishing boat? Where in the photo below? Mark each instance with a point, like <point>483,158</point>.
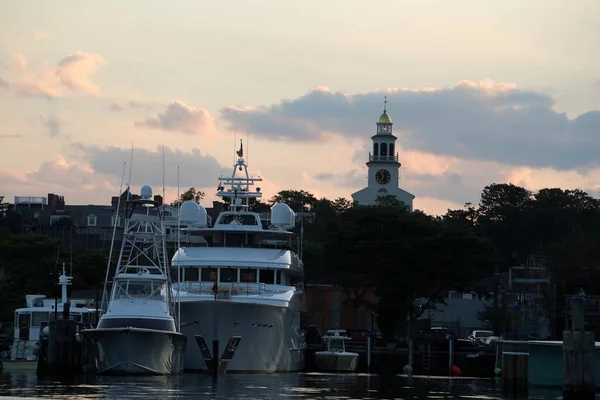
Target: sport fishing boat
<point>137,333</point>
<point>241,289</point>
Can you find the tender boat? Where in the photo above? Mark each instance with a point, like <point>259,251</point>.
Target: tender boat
<point>336,358</point>
<point>137,333</point>
<point>39,310</point>
<point>241,289</point>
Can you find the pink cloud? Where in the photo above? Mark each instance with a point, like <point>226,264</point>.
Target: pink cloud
<point>180,117</point>
<point>73,73</point>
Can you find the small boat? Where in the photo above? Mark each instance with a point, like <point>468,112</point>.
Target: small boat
<point>336,358</point>
<point>137,333</point>
<point>39,310</point>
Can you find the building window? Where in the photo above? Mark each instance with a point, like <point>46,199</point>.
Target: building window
<point>375,149</point>
<point>167,213</point>
<point>384,149</point>
<point>92,220</point>
<point>391,149</point>
<point>115,218</point>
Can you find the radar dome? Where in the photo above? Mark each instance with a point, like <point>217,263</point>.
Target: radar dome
<point>193,213</point>
<point>146,192</point>
<point>283,216</point>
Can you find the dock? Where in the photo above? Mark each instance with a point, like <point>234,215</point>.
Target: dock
<point>388,360</point>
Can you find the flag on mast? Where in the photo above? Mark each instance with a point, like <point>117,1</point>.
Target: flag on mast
<point>240,152</point>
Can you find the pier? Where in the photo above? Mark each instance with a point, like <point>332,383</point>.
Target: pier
<point>385,360</point>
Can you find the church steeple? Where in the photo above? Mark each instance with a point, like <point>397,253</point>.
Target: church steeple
<point>384,124</point>
<point>384,167</point>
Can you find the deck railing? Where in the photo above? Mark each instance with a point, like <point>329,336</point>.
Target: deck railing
<point>226,290</point>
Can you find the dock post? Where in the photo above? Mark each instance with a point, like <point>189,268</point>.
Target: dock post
<point>215,369</point>
<point>369,353</point>
<point>578,356</point>
<point>515,357</point>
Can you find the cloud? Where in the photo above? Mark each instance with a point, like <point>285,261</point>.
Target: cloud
<point>61,173</point>
<point>483,121</point>
<point>4,84</point>
<point>195,168</point>
<point>131,104</point>
<point>41,35</point>
<point>72,74</point>
<point>52,124</point>
<point>179,117</point>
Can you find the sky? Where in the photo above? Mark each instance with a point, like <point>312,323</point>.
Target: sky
<point>480,92</point>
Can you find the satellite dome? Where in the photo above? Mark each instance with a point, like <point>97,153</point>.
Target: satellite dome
<point>283,216</point>
<point>193,213</point>
<point>146,192</point>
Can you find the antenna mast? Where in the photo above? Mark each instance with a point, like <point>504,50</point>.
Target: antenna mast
<point>178,255</point>
<point>129,179</point>
<point>163,177</point>
<point>112,242</point>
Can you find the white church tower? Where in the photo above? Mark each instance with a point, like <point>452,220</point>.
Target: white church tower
<point>384,168</point>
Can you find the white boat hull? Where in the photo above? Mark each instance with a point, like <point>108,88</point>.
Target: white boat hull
<point>336,361</point>
<point>134,351</point>
<point>270,342</point>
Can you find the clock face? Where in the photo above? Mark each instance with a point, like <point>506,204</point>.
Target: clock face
<point>382,176</point>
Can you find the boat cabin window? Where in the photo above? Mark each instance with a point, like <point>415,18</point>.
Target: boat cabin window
<point>248,275</point>
<point>278,275</point>
<point>139,290</point>
<point>241,219</point>
<point>228,275</point>
<point>335,345</point>
<point>208,274</point>
<point>37,317</point>
<point>191,274</point>
<point>267,276</point>
<point>23,320</point>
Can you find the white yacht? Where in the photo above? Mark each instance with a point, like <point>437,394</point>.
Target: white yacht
<point>39,310</point>
<point>336,358</point>
<point>137,334</point>
<point>241,289</point>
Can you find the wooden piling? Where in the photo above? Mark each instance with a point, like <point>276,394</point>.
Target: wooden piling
<point>579,353</point>
<point>515,359</point>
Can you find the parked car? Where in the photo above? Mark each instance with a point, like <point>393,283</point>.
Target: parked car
<point>480,336</point>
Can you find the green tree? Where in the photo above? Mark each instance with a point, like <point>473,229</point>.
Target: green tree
<point>295,199</point>
<point>403,257</point>
<point>190,194</point>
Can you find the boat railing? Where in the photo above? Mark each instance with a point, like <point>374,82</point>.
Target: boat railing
<point>227,289</point>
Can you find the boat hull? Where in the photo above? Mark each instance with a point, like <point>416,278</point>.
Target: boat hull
<point>270,340</point>
<point>134,351</point>
<point>336,361</point>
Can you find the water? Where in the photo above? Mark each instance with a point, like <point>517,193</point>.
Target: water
<point>25,384</point>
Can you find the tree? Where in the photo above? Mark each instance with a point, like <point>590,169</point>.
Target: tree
<point>190,194</point>
<point>4,208</point>
<point>297,200</point>
<point>465,218</point>
<point>402,257</point>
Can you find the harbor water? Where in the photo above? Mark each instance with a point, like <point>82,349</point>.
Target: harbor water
<point>25,384</point>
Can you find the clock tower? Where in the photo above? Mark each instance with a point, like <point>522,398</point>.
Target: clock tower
<point>384,167</point>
